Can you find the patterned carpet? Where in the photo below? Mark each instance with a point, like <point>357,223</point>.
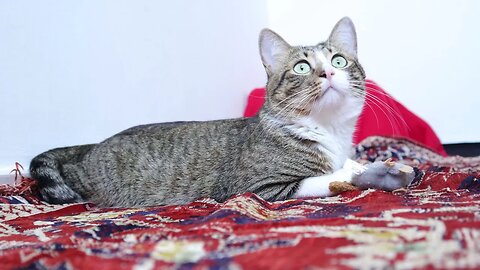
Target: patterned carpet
<point>433,224</point>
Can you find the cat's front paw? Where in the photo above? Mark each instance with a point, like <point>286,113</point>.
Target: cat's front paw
<point>385,175</point>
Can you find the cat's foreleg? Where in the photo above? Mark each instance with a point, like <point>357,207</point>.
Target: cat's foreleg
<point>321,186</point>
<point>383,175</point>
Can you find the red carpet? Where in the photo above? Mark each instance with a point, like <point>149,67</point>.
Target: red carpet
<point>434,224</point>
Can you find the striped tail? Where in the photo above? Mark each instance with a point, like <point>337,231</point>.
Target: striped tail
<point>47,169</point>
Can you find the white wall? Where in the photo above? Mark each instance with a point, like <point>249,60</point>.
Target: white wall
<point>425,53</point>
<point>75,72</point>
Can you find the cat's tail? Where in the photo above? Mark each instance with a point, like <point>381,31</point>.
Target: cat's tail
<point>47,169</point>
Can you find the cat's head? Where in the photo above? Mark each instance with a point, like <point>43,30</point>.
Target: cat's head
<point>313,80</point>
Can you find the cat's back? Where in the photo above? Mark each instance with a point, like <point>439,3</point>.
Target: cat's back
<point>186,131</point>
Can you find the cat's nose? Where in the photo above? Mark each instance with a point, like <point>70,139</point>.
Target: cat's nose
<point>327,74</point>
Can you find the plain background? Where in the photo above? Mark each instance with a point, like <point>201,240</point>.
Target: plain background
<point>75,72</point>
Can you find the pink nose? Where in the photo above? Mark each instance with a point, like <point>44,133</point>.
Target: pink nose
<point>327,74</point>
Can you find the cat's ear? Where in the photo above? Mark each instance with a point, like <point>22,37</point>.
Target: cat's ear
<point>344,36</point>
<point>272,49</point>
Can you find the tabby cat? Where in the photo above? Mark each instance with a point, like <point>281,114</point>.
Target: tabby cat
<point>297,143</point>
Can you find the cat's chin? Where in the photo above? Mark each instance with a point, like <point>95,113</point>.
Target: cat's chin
<point>330,97</point>
<point>333,100</point>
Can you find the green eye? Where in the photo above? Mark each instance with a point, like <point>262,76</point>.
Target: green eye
<point>302,67</point>
<point>339,61</point>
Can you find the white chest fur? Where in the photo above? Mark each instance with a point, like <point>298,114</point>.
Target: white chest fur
<point>335,143</point>
<point>332,129</point>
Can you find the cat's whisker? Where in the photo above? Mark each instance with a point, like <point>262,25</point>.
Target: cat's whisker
<point>379,102</point>
<point>373,102</point>
<point>393,111</point>
<point>365,85</point>
<point>307,101</point>
<point>289,109</point>
<point>364,82</point>
<point>374,113</point>
<point>285,110</point>
<point>391,115</point>
<point>370,86</point>
<point>290,97</point>
<point>301,101</point>
<point>270,126</point>
<point>372,89</point>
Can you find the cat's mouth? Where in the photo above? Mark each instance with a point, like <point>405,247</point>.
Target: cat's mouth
<point>325,90</point>
<point>327,86</point>
<point>329,95</point>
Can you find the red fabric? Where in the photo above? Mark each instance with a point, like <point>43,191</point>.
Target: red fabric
<point>381,116</point>
<point>433,224</point>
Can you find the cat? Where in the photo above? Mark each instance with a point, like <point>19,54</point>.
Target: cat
<point>296,145</point>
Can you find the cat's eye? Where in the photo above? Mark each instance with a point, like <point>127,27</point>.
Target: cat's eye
<point>302,67</point>
<point>339,61</point>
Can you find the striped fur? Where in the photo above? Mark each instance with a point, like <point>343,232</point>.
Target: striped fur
<point>290,140</point>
